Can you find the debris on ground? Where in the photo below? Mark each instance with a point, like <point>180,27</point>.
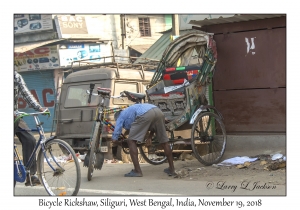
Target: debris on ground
<point>182,173</point>
<point>251,167</point>
<point>81,157</point>
<point>112,161</point>
<point>277,156</point>
<point>186,156</point>
<point>276,165</point>
<point>215,165</point>
<point>245,165</point>
<point>236,161</point>
<point>263,162</point>
<point>261,157</point>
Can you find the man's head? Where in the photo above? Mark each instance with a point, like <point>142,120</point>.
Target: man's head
<point>116,115</point>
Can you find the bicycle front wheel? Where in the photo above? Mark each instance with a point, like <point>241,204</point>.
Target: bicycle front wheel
<point>94,150</point>
<point>58,168</point>
<point>208,138</point>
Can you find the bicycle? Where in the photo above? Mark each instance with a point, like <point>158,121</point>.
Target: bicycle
<point>57,164</point>
<point>95,157</point>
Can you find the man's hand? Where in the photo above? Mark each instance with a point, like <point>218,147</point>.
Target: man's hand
<point>15,116</point>
<point>119,141</point>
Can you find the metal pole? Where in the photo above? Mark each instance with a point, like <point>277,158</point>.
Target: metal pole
<point>122,30</point>
<point>175,25</point>
<point>113,52</point>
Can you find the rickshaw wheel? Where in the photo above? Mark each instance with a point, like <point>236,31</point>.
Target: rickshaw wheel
<point>208,138</point>
<point>153,154</point>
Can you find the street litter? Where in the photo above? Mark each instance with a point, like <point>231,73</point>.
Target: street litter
<point>112,161</point>
<point>81,157</point>
<point>245,165</point>
<point>200,168</point>
<point>236,161</point>
<point>262,157</point>
<point>186,156</point>
<point>277,156</point>
<point>64,159</point>
<point>215,166</point>
<point>263,162</point>
<point>60,159</point>
<point>181,173</point>
<point>276,165</point>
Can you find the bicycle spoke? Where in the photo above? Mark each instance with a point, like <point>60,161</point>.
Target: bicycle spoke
<point>65,178</point>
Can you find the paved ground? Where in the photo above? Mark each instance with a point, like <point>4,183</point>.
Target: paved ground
<point>251,185</point>
<point>193,179</point>
<point>256,178</point>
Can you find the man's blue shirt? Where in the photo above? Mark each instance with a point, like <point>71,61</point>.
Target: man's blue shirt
<point>127,117</point>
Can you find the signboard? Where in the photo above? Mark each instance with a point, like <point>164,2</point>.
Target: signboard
<point>37,59</point>
<point>79,51</point>
<point>32,23</point>
<point>123,53</point>
<point>81,26</point>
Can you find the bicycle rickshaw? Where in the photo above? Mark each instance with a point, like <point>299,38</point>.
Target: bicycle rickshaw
<point>181,93</point>
<point>179,89</point>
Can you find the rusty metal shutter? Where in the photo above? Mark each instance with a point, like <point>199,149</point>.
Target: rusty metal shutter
<point>41,84</point>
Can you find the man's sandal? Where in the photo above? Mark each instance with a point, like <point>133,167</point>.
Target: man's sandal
<point>167,170</point>
<point>132,173</point>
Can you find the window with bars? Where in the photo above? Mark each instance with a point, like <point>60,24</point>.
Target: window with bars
<point>144,24</point>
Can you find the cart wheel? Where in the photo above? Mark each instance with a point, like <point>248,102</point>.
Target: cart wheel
<point>208,138</point>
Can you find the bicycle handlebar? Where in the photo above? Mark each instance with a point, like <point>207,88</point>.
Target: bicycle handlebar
<point>24,114</point>
<point>95,94</point>
<point>121,96</point>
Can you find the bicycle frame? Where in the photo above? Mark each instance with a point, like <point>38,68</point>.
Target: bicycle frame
<point>101,111</point>
<point>39,145</point>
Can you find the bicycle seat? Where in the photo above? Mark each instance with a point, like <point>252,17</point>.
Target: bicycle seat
<point>135,96</point>
<point>103,91</point>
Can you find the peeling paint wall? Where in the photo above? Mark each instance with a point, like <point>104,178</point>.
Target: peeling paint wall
<point>133,36</point>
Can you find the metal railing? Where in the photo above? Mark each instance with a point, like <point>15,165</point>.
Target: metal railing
<point>110,61</point>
